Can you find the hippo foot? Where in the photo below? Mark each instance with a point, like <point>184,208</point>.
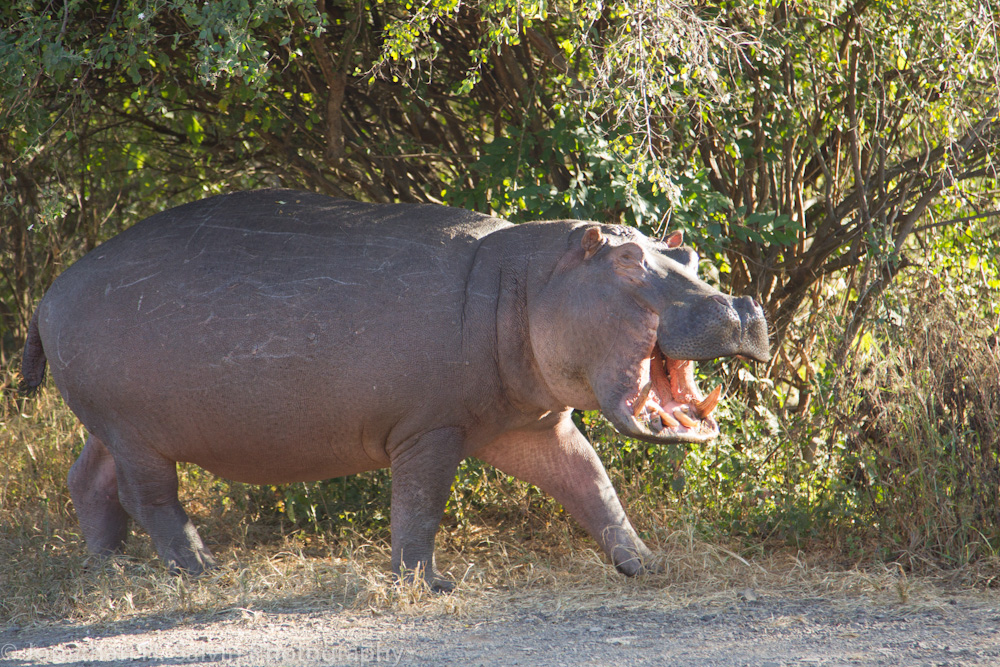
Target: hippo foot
<point>636,567</point>
<point>185,552</point>
<point>194,564</point>
<point>107,561</point>
<point>441,585</point>
<point>633,558</point>
<point>435,581</point>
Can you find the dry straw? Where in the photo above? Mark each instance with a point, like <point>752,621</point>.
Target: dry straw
<point>47,574</point>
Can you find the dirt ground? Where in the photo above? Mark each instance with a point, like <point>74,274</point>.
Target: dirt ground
<point>544,628</point>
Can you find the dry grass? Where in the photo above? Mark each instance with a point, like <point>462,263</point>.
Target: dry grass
<point>927,441</point>
<point>47,575</point>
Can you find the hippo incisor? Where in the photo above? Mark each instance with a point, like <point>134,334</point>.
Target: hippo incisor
<point>280,336</point>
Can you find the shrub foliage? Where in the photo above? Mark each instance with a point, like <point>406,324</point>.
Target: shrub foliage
<point>834,160</point>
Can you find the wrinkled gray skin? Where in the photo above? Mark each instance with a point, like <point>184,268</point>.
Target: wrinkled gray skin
<point>279,336</point>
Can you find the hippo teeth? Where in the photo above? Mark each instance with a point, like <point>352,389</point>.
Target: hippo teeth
<point>704,407</point>
<point>682,416</point>
<point>667,399</point>
<point>665,417</point>
<point>640,401</point>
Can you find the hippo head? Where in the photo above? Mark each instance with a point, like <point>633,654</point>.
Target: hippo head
<point>620,323</point>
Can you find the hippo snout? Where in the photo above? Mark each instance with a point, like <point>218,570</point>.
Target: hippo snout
<point>738,326</point>
<point>753,326</point>
<point>712,326</point>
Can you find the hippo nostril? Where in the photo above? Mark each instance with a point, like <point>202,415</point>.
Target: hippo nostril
<point>720,299</point>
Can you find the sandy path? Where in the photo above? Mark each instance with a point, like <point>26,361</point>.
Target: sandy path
<point>540,631</point>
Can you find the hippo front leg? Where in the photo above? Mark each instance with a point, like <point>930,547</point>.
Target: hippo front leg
<point>422,474</point>
<point>558,459</point>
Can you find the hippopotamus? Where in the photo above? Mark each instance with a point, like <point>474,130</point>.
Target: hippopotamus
<point>277,336</point>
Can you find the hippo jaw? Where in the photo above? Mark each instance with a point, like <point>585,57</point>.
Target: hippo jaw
<point>660,400</point>
<point>665,404</point>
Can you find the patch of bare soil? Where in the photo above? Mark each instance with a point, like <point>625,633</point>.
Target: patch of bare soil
<point>544,628</point>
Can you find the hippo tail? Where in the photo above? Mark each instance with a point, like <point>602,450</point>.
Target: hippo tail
<point>33,360</point>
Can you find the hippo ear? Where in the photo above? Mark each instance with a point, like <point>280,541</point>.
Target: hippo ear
<point>675,239</point>
<point>592,241</point>
<point>629,262</point>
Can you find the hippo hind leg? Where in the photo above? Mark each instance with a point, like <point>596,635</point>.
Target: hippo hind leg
<point>93,485</point>
<point>147,489</point>
<point>422,475</point>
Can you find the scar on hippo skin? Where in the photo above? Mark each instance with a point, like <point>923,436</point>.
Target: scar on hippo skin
<point>278,336</point>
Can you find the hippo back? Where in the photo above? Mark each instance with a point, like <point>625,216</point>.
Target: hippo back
<point>279,302</point>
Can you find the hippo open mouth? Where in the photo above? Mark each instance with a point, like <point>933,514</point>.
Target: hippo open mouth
<point>668,403</point>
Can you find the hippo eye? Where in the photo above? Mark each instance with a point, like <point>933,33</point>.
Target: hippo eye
<point>629,262</point>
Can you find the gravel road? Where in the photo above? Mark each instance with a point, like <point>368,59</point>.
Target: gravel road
<point>726,630</point>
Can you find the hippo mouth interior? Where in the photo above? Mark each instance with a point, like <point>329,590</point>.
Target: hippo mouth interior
<point>669,403</point>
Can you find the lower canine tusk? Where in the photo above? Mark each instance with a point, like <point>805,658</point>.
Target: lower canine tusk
<point>705,406</point>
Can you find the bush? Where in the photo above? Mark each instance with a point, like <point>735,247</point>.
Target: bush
<point>925,449</point>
